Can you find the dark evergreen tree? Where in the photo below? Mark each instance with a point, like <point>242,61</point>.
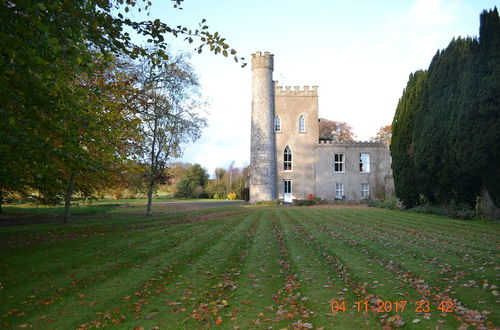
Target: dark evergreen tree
<point>402,140</point>
<point>435,168</point>
<point>487,127</point>
<point>446,130</point>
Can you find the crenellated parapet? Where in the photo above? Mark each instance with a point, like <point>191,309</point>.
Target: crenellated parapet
<point>296,91</point>
<point>262,60</point>
<point>330,143</point>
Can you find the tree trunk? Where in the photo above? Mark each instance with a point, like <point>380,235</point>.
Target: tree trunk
<point>67,199</point>
<point>149,211</point>
<point>1,200</point>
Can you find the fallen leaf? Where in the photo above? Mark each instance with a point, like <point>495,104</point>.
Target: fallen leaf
<point>173,303</point>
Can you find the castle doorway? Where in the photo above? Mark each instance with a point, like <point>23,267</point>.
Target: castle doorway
<point>287,191</point>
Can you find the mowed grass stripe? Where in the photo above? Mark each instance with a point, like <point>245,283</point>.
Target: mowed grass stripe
<point>407,250</point>
<point>75,265</point>
<point>396,222</point>
<point>397,226</point>
<point>261,277</point>
<point>414,241</point>
<point>477,230</point>
<point>201,294</point>
<point>365,278</point>
<point>411,269</point>
<point>119,283</point>
<point>319,281</point>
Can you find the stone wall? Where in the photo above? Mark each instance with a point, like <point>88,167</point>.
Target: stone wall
<point>262,144</point>
<point>379,178</point>
<point>290,105</point>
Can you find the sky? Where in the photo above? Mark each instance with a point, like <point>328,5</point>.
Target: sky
<point>359,54</point>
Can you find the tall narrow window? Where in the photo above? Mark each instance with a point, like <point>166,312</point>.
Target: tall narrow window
<point>302,124</point>
<point>339,190</point>
<point>287,188</point>
<point>365,190</point>
<point>287,159</point>
<point>338,163</point>
<point>364,163</point>
<point>277,124</point>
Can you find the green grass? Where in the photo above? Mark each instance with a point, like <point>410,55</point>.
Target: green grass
<point>93,206</point>
<point>248,267</point>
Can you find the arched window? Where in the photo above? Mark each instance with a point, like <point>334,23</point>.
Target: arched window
<point>277,124</point>
<point>302,124</point>
<point>287,159</point>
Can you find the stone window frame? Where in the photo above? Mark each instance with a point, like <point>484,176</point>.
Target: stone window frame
<point>340,163</point>
<point>362,168</point>
<point>287,161</point>
<point>339,189</point>
<point>365,193</point>
<point>277,124</point>
<point>302,124</point>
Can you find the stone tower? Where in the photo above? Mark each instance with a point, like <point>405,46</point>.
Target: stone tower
<point>262,144</point>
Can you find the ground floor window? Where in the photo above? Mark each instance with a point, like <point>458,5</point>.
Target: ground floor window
<point>365,190</point>
<point>339,190</point>
<point>287,188</point>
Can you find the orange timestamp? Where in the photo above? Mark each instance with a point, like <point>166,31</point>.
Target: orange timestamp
<point>387,306</point>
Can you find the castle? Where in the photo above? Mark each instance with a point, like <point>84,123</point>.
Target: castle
<point>288,160</point>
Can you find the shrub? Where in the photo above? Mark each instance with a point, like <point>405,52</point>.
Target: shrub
<point>429,209</point>
<point>267,203</point>
<point>231,196</point>
<point>304,202</point>
<point>311,196</point>
<point>390,205</point>
<point>216,196</point>
<point>460,211</point>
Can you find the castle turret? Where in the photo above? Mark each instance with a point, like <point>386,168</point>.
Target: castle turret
<point>262,145</point>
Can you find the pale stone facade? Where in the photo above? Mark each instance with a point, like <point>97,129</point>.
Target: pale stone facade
<point>302,163</point>
<point>262,144</point>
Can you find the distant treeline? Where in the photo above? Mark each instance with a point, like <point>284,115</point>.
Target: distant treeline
<point>446,131</point>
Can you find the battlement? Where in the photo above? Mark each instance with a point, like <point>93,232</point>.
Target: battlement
<point>297,90</point>
<point>262,60</point>
<point>330,143</point>
<point>262,54</point>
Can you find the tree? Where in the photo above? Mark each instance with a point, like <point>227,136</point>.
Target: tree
<point>176,171</point>
<point>445,143</point>
<point>169,108</point>
<point>402,144</point>
<point>215,188</point>
<point>193,182</point>
<point>384,135</point>
<point>87,139</point>
<point>336,130</point>
<point>219,173</point>
<point>39,60</point>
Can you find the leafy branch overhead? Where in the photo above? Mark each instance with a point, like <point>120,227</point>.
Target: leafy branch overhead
<point>155,31</point>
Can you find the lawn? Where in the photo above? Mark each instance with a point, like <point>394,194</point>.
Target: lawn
<point>239,267</point>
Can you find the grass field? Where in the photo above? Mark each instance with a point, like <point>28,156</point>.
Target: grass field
<point>252,267</point>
